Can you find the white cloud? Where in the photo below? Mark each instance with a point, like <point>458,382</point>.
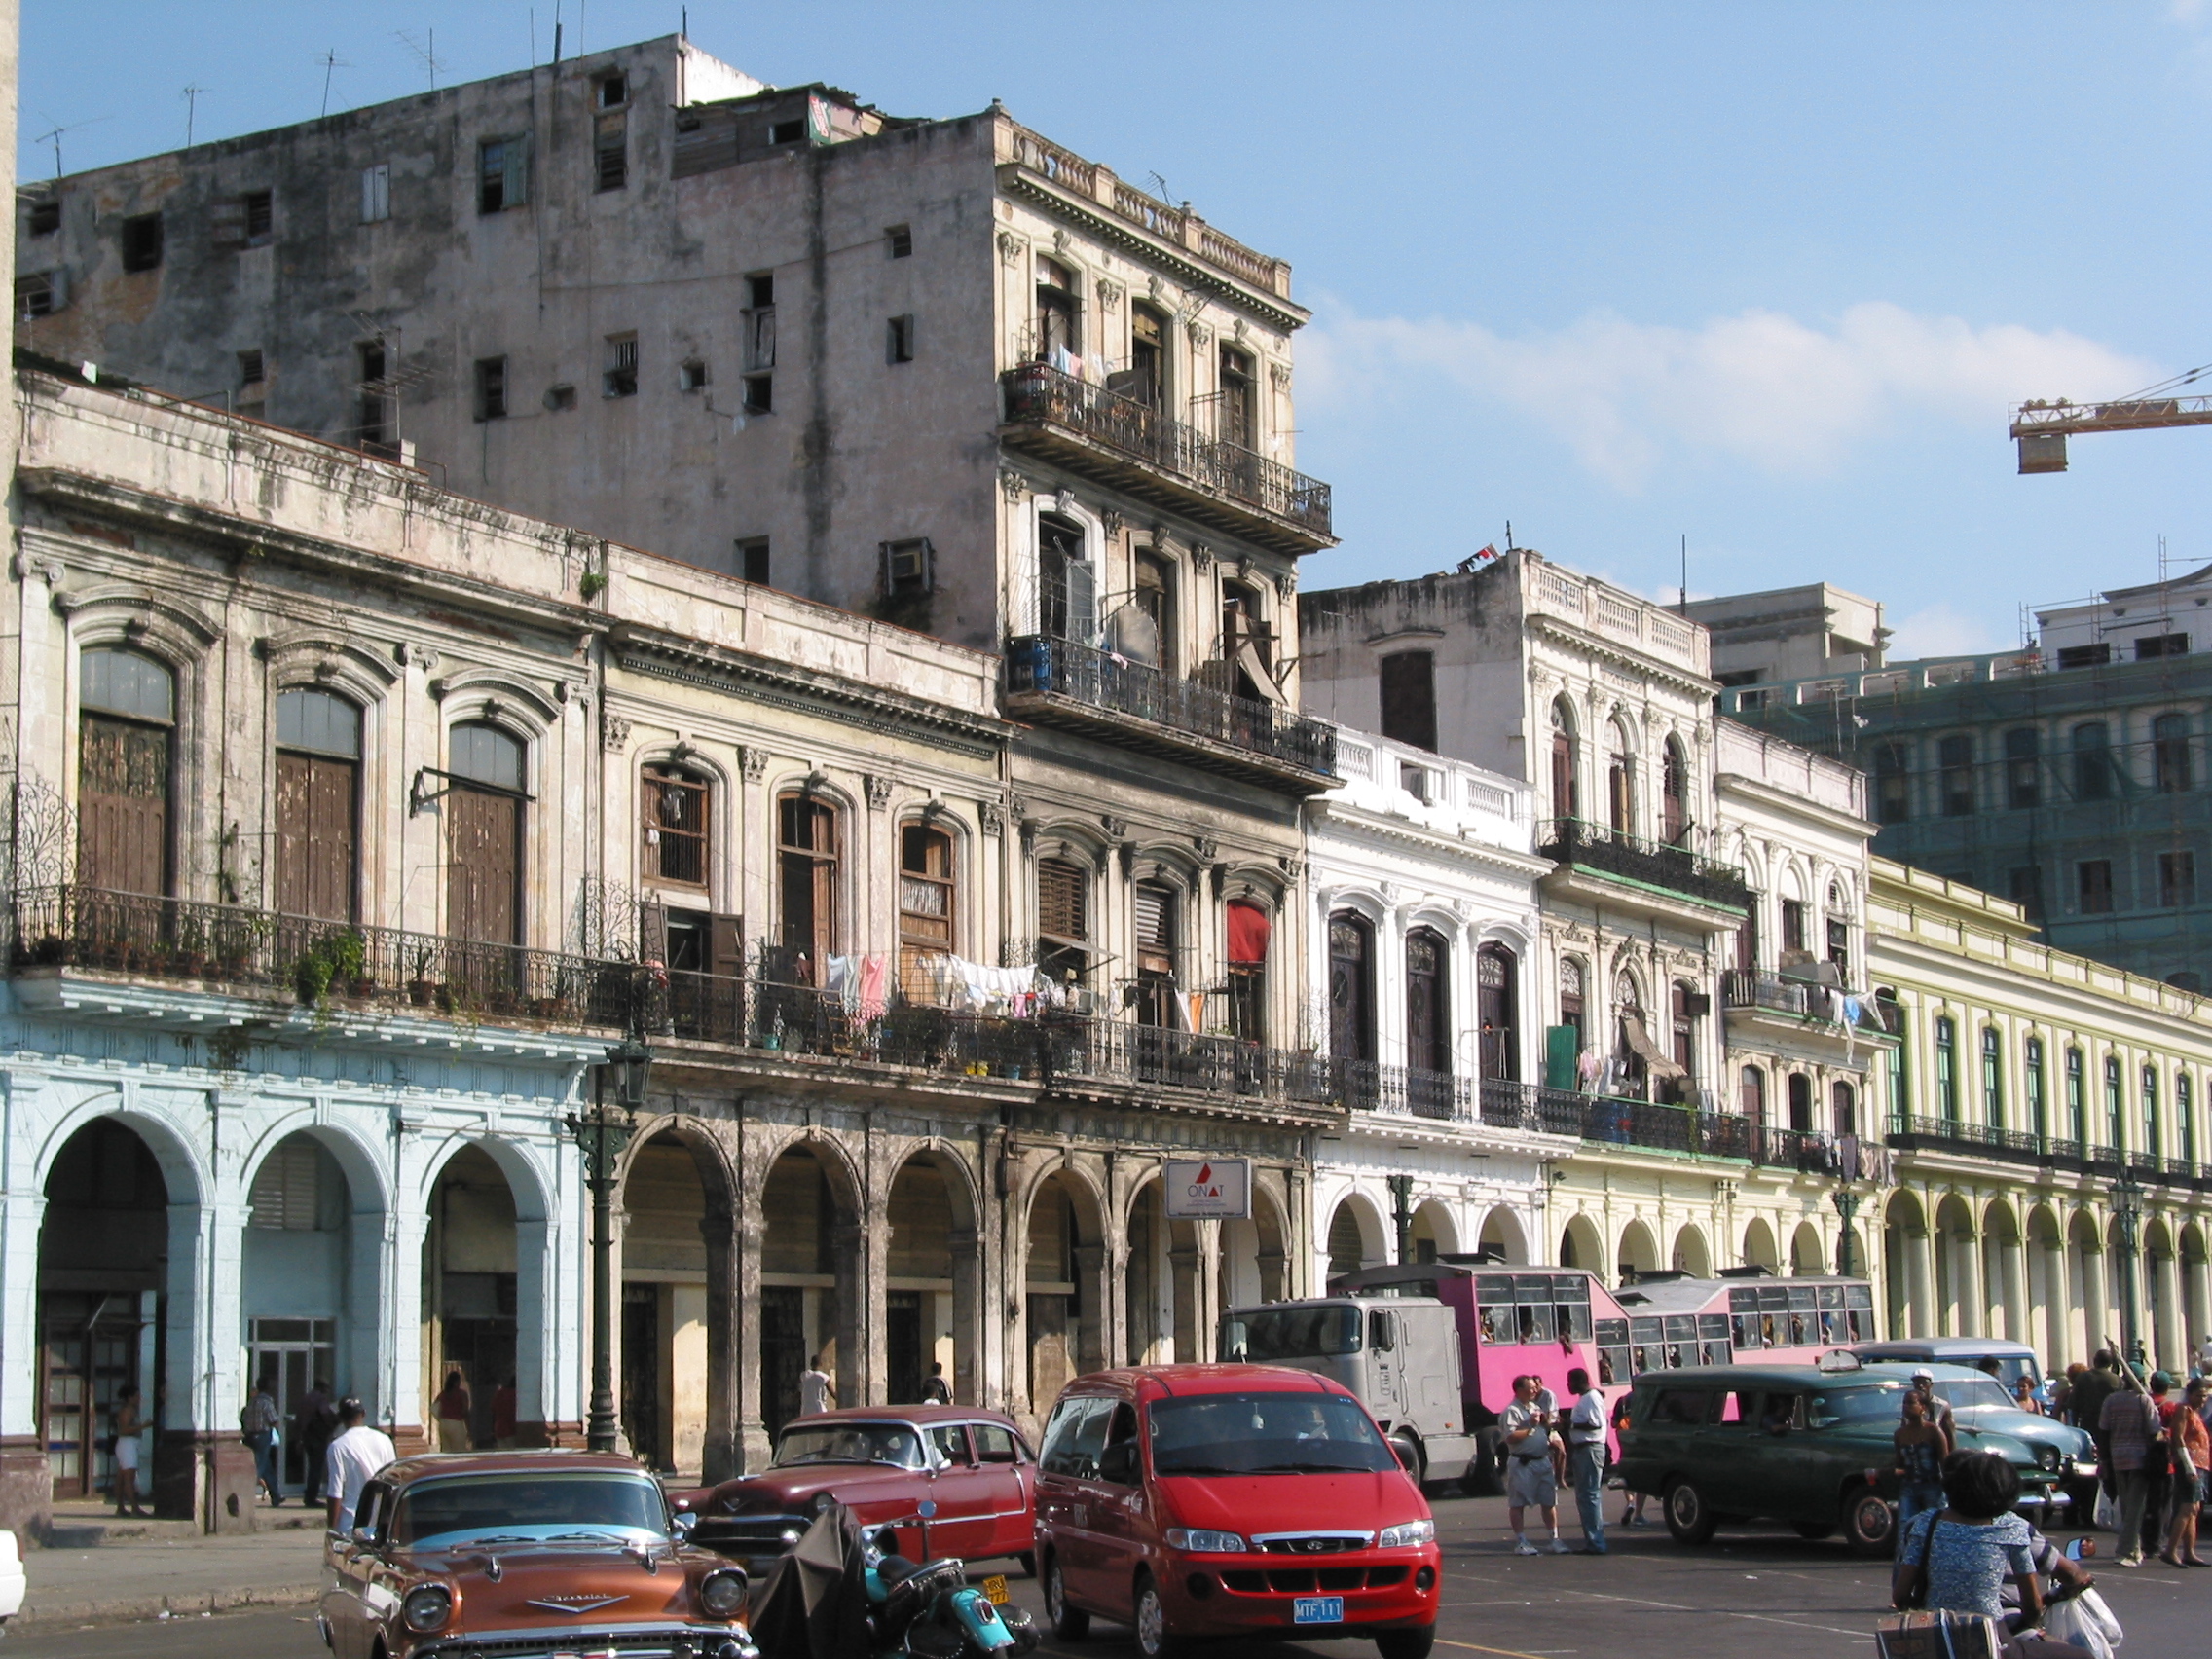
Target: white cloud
<point>1761,387</point>
<point>1942,631</point>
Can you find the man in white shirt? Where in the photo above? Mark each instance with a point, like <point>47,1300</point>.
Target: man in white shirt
<point>1586,1458</point>
<point>1529,1479</point>
<point>816,1393</point>
<point>354,1458</point>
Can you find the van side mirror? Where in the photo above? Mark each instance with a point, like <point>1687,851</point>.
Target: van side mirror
<point>1118,1464</point>
<point>1381,1331</point>
<point>364,1538</point>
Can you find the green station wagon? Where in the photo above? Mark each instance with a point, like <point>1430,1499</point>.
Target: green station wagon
<point>1787,1442</point>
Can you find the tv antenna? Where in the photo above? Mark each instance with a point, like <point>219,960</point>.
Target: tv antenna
<point>426,50</point>
<point>191,96</point>
<point>331,62</point>
<point>53,136</point>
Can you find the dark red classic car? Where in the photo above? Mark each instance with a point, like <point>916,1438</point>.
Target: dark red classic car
<point>525,1555</point>
<point>880,1464</point>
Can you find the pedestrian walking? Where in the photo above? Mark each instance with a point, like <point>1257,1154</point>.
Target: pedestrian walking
<point>2191,1450</point>
<point>1531,1481</point>
<point>1586,1458</point>
<point>452,1411</point>
<point>315,1420</point>
<point>2130,1424</point>
<point>1921,1450</point>
<point>258,1418</point>
<point>816,1393</point>
<point>125,1425</point>
<point>354,1458</point>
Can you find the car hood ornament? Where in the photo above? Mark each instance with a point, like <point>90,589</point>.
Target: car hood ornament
<point>578,1605</point>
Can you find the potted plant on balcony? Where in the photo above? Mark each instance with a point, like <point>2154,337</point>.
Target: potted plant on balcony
<point>421,990</point>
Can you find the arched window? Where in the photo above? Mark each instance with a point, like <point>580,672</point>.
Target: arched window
<point>125,740</point>
<point>1845,1099</point>
<point>2154,1141</point>
<point>319,792</point>
<point>2116,1107</point>
<point>1058,335</point>
<point>1750,1094</point>
<point>1497,1015</point>
<point>2039,1103</point>
<point>1351,986</point>
<point>1992,1078</point>
<point>1620,783</point>
<point>2023,767</point>
<point>1800,1102</point>
<point>1428,1002</point>
<point>484,833</point>
<point>2077,1101</point>
<point>1155,601</point>
<point>1674,792</point>
<point>1063,920</point>
<point>1947,1068</point>
<point>1158,909</point>
<point>1067,585</point>
<point>2092,762</point>
<point>806,886</point>
<point>1147,380</point>
<point>1250,929</point>
<point>1633,1048</point>
<point>1567,788</point>
<point>2169,752</point>
<point>927,912</point>
<point>1572,1011</point>
<point>1893,784</point>
<point>676,803</point>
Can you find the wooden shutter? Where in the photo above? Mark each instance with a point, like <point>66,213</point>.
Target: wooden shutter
<point>317,836</point>
<point>1062,907</point>
<point>484,844</point>
<point>725,946</point>
<point>122,806</point>
<point>652,931</point>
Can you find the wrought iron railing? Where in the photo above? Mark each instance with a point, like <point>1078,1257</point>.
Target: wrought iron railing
<point>1533,1108</point>
<point>325,964</point>
<point>1037,664</point>
<point>2026,1147</point>
<point>1743,988</point>
<point>1037,394</point>
<point>1578,842</point>
<point>1405,1091</point>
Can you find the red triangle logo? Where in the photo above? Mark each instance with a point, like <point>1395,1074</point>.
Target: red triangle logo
<point>1205,1173</point>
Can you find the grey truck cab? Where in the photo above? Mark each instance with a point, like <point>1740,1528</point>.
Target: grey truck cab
<point>1400,1354</point>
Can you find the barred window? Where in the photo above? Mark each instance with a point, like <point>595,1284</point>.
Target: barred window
<point>676,807</point>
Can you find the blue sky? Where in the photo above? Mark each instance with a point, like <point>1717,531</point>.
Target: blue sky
<point>1764,275</point>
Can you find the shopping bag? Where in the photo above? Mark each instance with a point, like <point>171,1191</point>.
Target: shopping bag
<point>1940,1635</point>
<point>2108,1512</point>
<point>2095,1609</point>
<point>2070,1622</point>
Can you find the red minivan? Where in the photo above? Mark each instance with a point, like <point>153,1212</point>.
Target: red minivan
<point>1194,1501</point>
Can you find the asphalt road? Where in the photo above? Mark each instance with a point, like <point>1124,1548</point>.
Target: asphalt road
<point>1735,1599</point>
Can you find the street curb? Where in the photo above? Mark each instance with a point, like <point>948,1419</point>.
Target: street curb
<point>128,1609</point>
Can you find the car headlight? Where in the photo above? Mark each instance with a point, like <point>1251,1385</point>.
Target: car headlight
<point>722,1593</point>
<point>1403,1533</point>
<point>427,1608</point>
<point>2047,1457</point>
<point>1198,1541</point>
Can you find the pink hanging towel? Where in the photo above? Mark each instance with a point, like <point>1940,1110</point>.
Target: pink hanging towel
<point>872,988</point>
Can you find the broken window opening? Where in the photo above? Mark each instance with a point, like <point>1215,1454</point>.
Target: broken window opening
<point>621,378</point>
<point>376,194</point>
<point>610,152</point>
<point>502,174</point>
<point>259,209</point>
<point>899,340</point>
<point>759,395</point>
<point>753,561</point>
<point>142,241</point>
<point>46,216</point>
<point>490,389</point>
<point>909,568</point>
<point>691,375</point>
<point>35,296</point>
<point>902,241</point>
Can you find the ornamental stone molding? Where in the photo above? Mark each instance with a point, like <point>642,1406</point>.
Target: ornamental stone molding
<point>1280,373</point>
<point>1013,486</point>
<point>1109,294</point>
<point>879,790</point>
<point>1010,248</point>
<point>1200,334</point>
<point>614,732</point>
<point>752,761</point>
<point>991,816</point>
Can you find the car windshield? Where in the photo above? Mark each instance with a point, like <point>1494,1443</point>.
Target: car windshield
<point>1881,1402</point>
<point>894,1444</point>
<point>1265,1334</point>
<point>1265,1434</point>
<point>1964,1391</point>
<point>530,1508</point>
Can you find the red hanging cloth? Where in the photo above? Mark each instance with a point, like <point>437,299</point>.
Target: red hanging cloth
<point>1249,928</point>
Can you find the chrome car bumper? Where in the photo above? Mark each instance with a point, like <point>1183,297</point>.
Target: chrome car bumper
<point>633,1641</point>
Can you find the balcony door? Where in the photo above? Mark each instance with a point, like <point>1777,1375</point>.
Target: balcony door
<point>1351,988</point>
<point>1496,999</point>
<point>318,774</point>
<point>127,729</point>
<point>484,830</point>
<point>1429,1018</point>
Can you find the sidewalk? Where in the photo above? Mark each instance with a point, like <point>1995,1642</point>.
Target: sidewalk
<point>98,1569</point>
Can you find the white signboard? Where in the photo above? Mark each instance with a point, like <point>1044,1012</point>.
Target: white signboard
<point>1217,1187</point>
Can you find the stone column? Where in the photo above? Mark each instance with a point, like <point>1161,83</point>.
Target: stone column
<point>751,1450</point>
<point>1094,1324</point>
<point>26,1480</point>
<point>862,1250</point>
<point>1920,1246</point>
<point>969,1300</point>
<point>399,1409</point>
<point>720,1454</point>
<point>202,1471</point>
<point>2169,1343</point>
<point>1967,1285</point>
<point>1207,1300</point>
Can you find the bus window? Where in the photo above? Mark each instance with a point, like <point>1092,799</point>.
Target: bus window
<point>1613,1353</point>
<point>1713,1340</point>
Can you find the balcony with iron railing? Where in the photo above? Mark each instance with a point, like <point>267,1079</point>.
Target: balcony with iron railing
<point>1060,682</point>
<point>1146,453</point>
<point>2026,1147</point>
<point>1809,1001</point>
<point>1578,845</point>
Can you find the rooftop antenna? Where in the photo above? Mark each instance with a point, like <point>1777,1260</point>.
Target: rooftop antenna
<point>191,96</point>
<point>1160,180</point>
<point>556,34</point>
<point>1685,608</point>
<point>54,137</point>
<point>1509,536</point>
<point>331,62</point>
<point>426,51</point>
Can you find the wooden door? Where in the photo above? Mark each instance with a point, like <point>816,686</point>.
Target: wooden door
<point>1351,1023</point>
<point>317,836</point>
<point>1497,1011</point>
<point>123,805</point>
<point>484,877</point>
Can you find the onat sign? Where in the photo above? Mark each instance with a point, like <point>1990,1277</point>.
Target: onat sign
<point>1216,1187</point>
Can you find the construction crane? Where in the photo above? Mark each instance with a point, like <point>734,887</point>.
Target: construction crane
<point>2041,429</point>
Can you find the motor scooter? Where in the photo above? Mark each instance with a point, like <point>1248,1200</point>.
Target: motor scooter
<point>932,1612</point>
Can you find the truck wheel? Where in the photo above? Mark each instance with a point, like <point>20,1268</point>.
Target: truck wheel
<point>1408,1449</point>
<point>1481,1478</point>
<point>1869,1524</point>
<point>1689,1518</point>
<point>1069,1624</point>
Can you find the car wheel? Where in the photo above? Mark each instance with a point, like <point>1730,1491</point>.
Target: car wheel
<point>1481,1478</point>
<point>1153,1638</point>
<point>1405,1644</point>
<point>1408,1449</point>
<point>1869,1524</point>
<point>1069,1624</point>
<point>1815,1530</point>
<point>1028,1560</point>
<point>1689,1518</point>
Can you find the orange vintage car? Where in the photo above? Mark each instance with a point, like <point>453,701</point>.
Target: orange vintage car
<point>526,1555</point>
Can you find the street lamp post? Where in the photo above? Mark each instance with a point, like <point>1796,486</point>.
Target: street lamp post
<point>603,1133</point>
<point>2127,1207</point>
<point>1402,1212</point>
<point>1846,1203</point>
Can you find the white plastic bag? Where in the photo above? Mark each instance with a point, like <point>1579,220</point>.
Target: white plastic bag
<point>2071,1622</point>
<point>2095,1610</point>
<point>2108,1512</point>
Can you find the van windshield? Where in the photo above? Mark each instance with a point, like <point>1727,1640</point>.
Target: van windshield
<point>1265,1434</point>
<point>1267,1334</point>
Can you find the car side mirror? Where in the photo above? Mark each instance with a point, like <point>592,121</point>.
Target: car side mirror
<point>363,1539</point>
<point>1119,1464</point>
<point>684,1523</point>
